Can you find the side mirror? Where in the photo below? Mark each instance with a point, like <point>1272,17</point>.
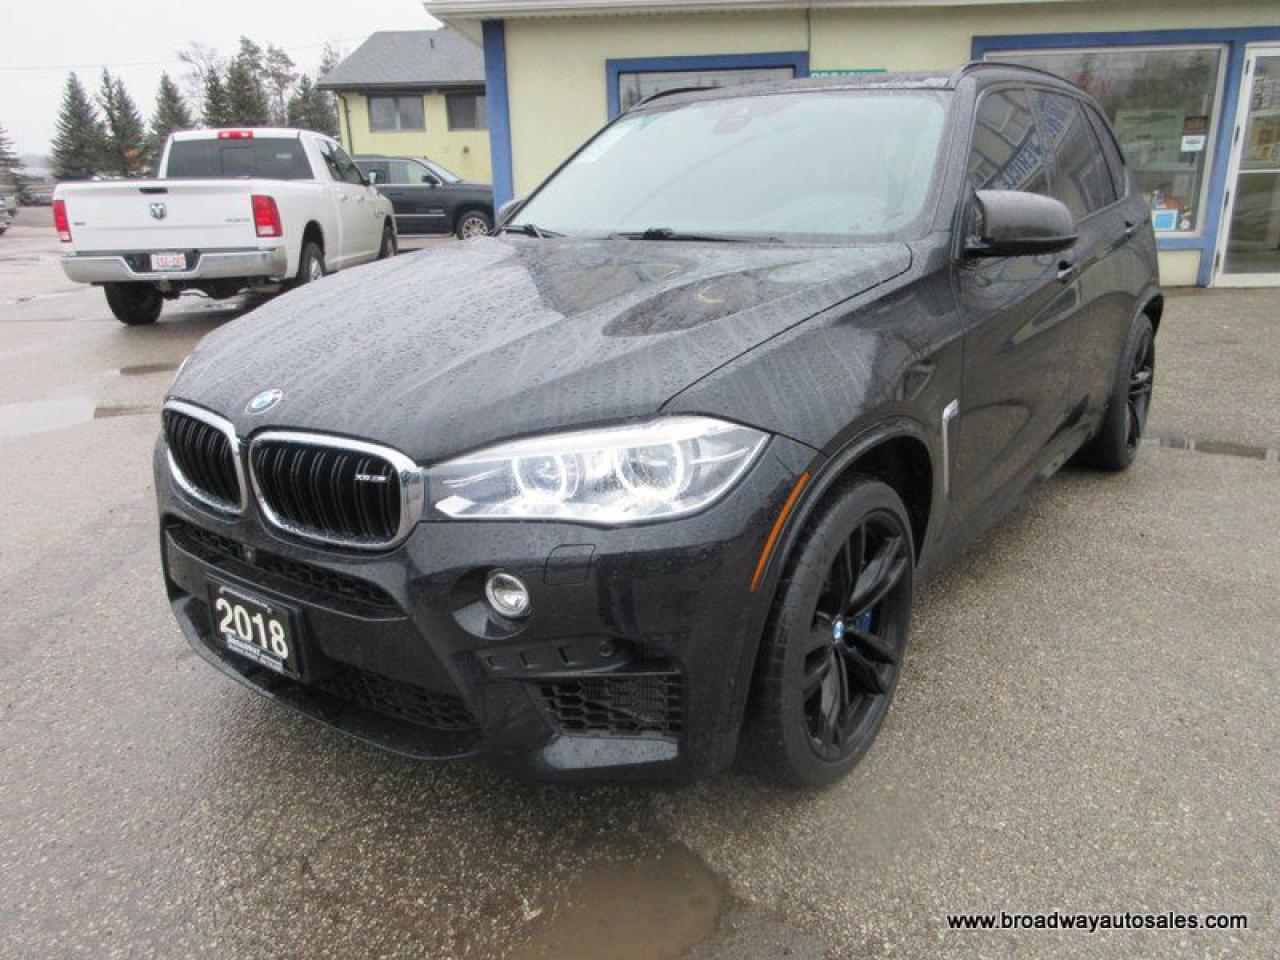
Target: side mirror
<point>371,178</point>
<point>1011,223</point>
<point>429,180</point>
<point>509,210</point>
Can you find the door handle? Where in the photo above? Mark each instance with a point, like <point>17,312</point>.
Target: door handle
<point>360,197</point>
<point>1130,228</point>
<point>342,197</point>
<point>1067,271</point>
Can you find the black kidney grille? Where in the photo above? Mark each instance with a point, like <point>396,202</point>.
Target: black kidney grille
<point>203,454</point>
<point>328,492</point>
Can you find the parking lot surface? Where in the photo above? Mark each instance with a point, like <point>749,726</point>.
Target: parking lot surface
<point>1087,722</point>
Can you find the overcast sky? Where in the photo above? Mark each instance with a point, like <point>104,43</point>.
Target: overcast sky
<point>137,39</point>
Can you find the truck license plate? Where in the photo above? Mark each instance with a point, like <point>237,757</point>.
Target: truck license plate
<point>168,261</point>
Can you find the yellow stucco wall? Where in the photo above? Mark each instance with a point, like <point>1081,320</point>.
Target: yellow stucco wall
<point>465,152</point>
<point>556,66</point>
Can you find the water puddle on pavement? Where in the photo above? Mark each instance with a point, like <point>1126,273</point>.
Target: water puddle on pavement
<point>1222,448</point>
<point>143,369</point>
<point>647,908</point>
<point>37,416</point>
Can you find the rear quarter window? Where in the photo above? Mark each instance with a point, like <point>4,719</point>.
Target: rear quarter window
<point>268,158</point>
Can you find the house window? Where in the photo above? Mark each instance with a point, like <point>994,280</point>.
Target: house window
<point>467,111</point>
<point>634,87</point>
<point>396,113</point>
<point>1163,103</point>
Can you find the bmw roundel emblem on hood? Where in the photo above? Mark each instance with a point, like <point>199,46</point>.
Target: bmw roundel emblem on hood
<point>264,401</point>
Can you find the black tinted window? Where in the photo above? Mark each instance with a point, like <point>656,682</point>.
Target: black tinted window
<point>1111,152</point>
<point>1083,182</point>
<point>268,158</point>
<point>1006,153</point>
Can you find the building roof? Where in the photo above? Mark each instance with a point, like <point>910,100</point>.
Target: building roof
<point>462,10</point>
<point>409,59</point>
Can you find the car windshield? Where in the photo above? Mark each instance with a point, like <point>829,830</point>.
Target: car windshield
<point>448,176</point>
<point>831,166</point>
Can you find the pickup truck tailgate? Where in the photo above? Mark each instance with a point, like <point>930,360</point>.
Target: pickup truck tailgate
<point>139,215</point>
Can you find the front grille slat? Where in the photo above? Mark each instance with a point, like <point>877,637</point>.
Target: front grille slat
<point>330,489</point>
<point>204,456</point>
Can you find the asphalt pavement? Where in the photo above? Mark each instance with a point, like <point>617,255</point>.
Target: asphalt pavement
<point>1087,721</point>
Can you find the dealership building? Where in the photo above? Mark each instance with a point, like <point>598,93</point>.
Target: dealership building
<point>1192,87</point>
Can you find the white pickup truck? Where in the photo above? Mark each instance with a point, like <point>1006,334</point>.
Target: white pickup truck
<point>232,210</point>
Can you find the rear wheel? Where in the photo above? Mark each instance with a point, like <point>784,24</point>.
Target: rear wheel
<point>388,246</point>
<point>474,223</point>
<point>135,304</point>
<point>836,640</point>
<point>1115,445</point>
<point>310,264</point>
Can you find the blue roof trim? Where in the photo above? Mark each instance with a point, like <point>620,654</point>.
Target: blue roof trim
<point>798,60</point>
<point>495,73</point>
<point>1235,40</point>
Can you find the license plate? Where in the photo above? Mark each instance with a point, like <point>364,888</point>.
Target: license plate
<point>168,261</point>
<point>256,628</point>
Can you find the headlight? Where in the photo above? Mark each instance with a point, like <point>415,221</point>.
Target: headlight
<point>650,471</point>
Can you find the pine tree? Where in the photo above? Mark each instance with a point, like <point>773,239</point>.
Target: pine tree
<point>8,158</point>
<point>217,108</point>
<point>170,116</point>
<point>246,91</point>
<point>80,142</point>
<point>310,109</point>
<point>281,74</point>
<point>126,143</point>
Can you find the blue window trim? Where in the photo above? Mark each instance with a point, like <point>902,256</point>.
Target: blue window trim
<point>1235,41</point>
<point>495,81</point>
<point>796,59</point>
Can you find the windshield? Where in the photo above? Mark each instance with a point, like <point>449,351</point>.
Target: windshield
<point>819,167</point>
<point>447,176</point>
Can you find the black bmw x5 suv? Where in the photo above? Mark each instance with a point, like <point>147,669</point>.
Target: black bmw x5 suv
<point>646,480</point>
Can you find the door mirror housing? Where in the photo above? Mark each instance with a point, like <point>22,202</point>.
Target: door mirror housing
<point>1010,223</point>
<point>510,209</point>
<point>429,180</point>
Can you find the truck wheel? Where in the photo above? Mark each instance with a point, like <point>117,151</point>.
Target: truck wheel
<point>388,248</point>
<point>135,304</point>
<point>310,264</point>
<point>474,223</point>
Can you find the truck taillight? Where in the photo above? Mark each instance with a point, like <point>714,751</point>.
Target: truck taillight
<point>60,221</point>
<point>235,134</point>
<point>266,216</point>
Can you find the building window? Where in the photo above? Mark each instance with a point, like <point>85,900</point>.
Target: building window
<point>467,111</point>
<point>634,87</point>
<point>396,113</point>
<point>1163,103</point>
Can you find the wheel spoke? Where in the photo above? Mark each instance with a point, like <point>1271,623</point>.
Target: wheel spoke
<point>815,676</point>
<point>829,706</point>
<point>879,575</point>
<point>874,647</point>
<point>861,672</point>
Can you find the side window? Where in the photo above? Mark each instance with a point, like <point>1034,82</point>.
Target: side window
<point>1083,182</point>
<point>1111,151</point>
<point>401,171</point>
<point>330,164</point>
<point>1006,153</point>
<point>345,166</point>
<point>379,168</point>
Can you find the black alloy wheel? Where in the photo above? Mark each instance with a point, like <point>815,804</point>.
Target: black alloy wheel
<point>832,655</point>
<point>1142,375</point>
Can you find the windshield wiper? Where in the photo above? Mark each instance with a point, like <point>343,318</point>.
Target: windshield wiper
<point>529,230</point>
<point>679,236</point>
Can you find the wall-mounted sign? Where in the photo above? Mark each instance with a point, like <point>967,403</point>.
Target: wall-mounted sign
<point>1193,144</point>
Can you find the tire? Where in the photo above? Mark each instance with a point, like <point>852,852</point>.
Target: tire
<point>1115,446</point>
<point>388,247</point>
<point>310,264</point>
<point>473,223</point>
<point>134,304</point>
<point>835,642</point>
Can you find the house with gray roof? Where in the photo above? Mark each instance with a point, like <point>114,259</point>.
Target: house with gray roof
<point>415,93</point>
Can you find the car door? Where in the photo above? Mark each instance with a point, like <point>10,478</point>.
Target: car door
<point>425,199</point>
<point>1103,257</point>
<point>360,229</point>
<point>1016,312</point>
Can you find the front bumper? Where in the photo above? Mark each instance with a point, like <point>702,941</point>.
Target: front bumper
<point>133,267</point>
<point>635,662</point>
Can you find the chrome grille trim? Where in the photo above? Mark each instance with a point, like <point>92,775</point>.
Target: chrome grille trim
<point>409,474</point>
<point>225,428</point>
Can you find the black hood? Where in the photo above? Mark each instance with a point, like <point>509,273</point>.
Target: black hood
<point>447,349</point>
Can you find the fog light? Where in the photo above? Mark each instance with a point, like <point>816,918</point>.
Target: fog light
<point>507,594</point>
